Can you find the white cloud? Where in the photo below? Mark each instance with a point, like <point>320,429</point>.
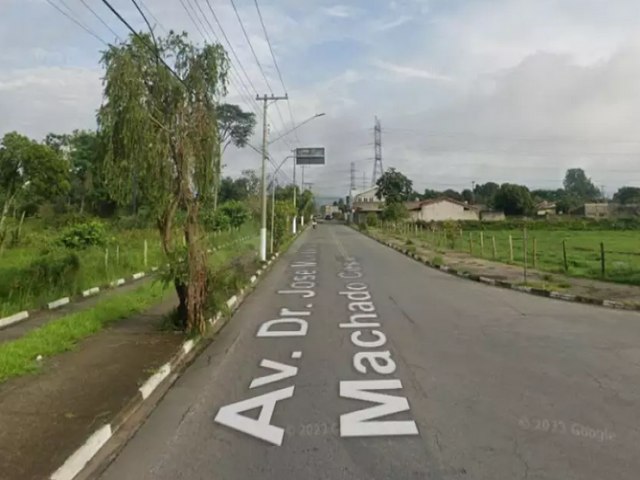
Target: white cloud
<point>391,24</point>
<point>411,72</point>
<point>40,100</point>
<point>340,11</point>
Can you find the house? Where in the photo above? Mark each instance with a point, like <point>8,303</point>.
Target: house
<point>366,195</point>
<point>439,209</point>
<point>329,210</point>
<point>594,210</point>
<point>361,210</point>
<point>545,208</point>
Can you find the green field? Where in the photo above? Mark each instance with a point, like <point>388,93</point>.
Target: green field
<point>22,285</point>
<point>622,250</point>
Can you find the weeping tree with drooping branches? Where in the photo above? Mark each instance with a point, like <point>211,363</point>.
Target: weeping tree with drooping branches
<point>163,143</point>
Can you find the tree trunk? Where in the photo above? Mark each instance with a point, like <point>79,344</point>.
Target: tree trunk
<point>3,220</point>
<point>182,311</point>
<point>197,283</point>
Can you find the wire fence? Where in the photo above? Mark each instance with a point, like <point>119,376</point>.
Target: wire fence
<point>607,255</point>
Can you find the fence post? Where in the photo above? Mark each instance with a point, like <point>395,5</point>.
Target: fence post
<point>106,260</point>
<point>524,245</point>
<point>146,252</point>
<point>535,252</point>
<point>495,250</point>
<point>470,243</point>
<point>564,255</point>
<point>510,249</point>
<point>481,243</point>
<point>117,255</point>
<point>602,261</point>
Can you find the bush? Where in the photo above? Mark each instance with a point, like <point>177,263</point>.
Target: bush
<point>372,220</point>
<point>362,227</point>
<point>53,268</point>
<point>83,235</point>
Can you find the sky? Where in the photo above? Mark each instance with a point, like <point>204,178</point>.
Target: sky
<point>465,90</point>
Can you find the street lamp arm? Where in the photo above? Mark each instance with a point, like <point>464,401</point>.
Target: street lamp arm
<point>296,127</point>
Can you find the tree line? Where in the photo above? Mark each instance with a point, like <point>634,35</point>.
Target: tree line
<point>510,198</point>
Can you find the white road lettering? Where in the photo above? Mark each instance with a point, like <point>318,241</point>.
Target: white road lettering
<point>387,368</point>
<point>283,371</point>
<point>230,416</point>
<point>300,331</point>
<point>361,422</point>
<point>355,339</point>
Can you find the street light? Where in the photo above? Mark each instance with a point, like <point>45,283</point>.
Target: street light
<point>297,127</point>
<point>265,155</point>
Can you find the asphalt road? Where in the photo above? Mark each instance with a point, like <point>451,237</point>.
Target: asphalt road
<point>459,380</point>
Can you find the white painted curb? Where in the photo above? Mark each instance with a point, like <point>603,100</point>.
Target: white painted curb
<point>137,276</point>
<point>253,279</point>
<point>91,291</point>
<point>58,303</point>
<point>81,457</point>
<point>118,282</point>
<point>232,301</point>
<point>562,296</point>
<point>154,380</point>
<point>188,346</point>
<point>15,318</point>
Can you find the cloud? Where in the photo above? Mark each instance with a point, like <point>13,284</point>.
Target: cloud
<point>410,72</point>
<point>40,100</point>
<point>340,11</point>
<point>391,24</point>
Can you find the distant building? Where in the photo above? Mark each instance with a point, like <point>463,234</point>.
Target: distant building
<point>607,210</point>
<point>545,208</point>
<point>329,210</point>
<point>440,209</point>
<point>593,210</point>
<point>367,195</point>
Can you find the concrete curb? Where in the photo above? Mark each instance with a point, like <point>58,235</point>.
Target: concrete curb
<point>152,390</point>
<point>567,297</point>
<point>26,314</point>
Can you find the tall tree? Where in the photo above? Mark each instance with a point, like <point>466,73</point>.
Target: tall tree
<point>484,193</point>
<point>627,195</point>
<point>163,130</point>
<point>394,187</point>
<point>29,171</point>
<point>576,183</point>
<point>513,199</point>
<point>235,126</point>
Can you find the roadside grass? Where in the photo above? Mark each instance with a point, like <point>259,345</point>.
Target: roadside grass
<point>19,357</point>
<point>622,250</point>
<point>122,256</point>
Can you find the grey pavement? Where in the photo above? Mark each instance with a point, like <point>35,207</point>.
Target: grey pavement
<point>499,384</point>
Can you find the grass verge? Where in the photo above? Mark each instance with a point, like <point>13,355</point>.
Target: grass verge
<point>19,357</point>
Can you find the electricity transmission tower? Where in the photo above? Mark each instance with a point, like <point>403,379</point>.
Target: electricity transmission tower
<point>377,163</point>
<point>352,187</point>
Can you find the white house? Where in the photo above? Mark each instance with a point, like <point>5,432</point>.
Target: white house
<point>367,195</point>
<point>439,209</point>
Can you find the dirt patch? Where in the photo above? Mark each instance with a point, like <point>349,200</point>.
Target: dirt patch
<point>627,294</point>
<point>53,412</point>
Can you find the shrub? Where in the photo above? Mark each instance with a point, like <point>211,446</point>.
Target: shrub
<point>362,227</point>
<point>83,235</point>
<point>372,220</point>
<point>53,268</point>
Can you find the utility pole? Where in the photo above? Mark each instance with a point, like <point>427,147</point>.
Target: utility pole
<point>377,163</point>
<point>295,194</point>
<point>263,226</point>
<point>364,181</point>
<point>352,186</point>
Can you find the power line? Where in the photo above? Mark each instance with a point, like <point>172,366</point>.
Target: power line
<point>275,62</point>
<point>255,56</point>
<point>139,37</point>
<point>100,19</point>
<point>246,35</point>
<point>77,22</point>
<point>155,19</point>
<point>251,103</point>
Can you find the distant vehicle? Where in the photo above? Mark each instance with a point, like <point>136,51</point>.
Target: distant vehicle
<point>328,217</point>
